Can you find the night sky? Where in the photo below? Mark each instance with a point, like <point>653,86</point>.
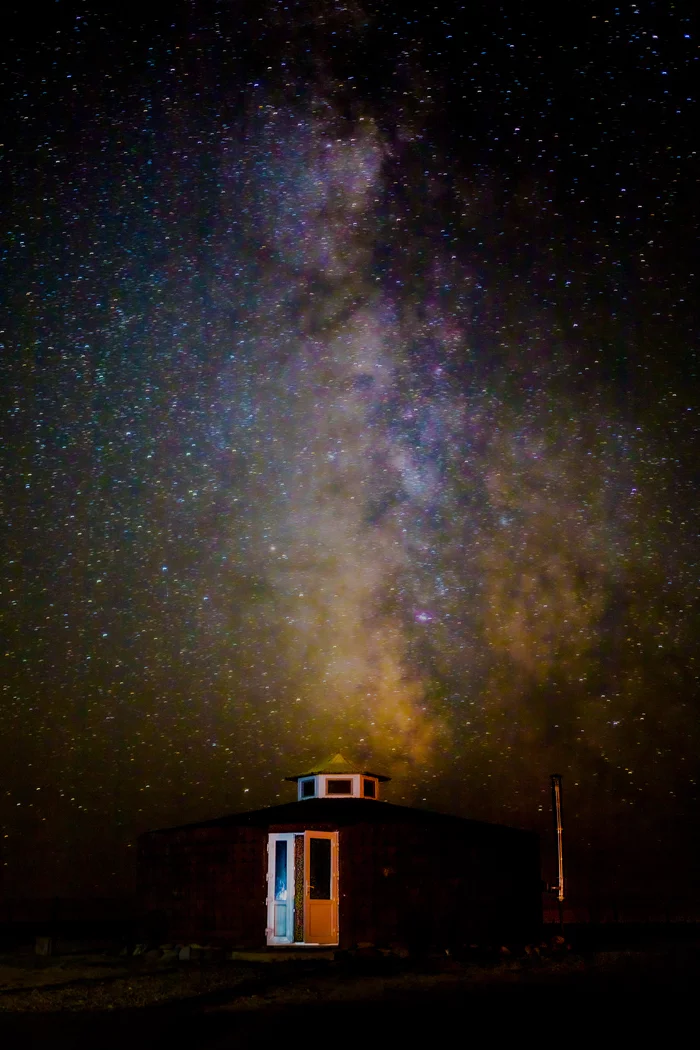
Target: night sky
<point>349,401</point>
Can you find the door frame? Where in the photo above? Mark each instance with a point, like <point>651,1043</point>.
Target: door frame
<point>289,837</point>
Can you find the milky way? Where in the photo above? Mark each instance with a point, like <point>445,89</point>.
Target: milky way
<point>331,424</point>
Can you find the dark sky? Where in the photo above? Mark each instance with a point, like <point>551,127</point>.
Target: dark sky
<point>349,399</point>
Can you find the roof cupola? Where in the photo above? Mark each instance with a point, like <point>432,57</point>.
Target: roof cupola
<point>338,778</point>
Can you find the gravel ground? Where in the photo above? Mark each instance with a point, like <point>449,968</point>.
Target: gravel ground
<point>75,987</point>
<point>99,984</point>
<point>598,999</point>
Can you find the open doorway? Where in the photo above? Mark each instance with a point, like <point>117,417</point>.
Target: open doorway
<point>302,888</point>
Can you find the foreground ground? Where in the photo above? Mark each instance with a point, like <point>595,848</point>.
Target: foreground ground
<point>107,1002</point>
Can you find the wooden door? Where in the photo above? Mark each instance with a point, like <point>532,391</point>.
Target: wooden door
<point>321,887</point>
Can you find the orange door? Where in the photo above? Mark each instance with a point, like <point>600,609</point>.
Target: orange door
<point>321,887</point>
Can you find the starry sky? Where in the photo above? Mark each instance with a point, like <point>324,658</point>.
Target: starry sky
<point>349,400</point>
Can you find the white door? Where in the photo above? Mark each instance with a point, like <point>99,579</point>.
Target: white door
<point>280,889</point>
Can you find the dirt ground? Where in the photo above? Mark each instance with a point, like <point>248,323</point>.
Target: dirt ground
<point>111,1001</point>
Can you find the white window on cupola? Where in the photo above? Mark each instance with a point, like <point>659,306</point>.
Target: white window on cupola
<point>307,787</point>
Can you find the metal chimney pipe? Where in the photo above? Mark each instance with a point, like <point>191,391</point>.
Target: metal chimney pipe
<point>556,813</point>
